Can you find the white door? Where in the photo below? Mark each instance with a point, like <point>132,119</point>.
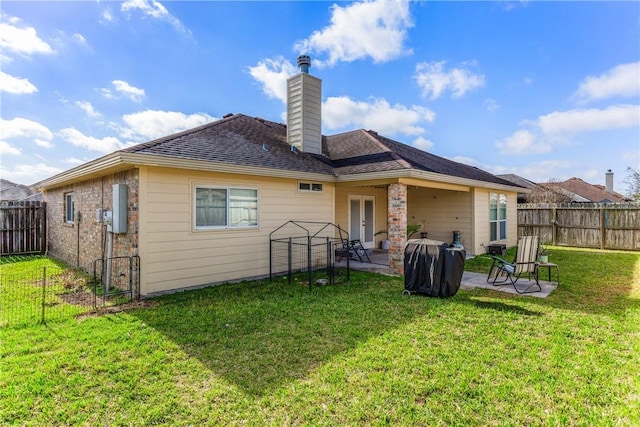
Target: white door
<point>362,220</point>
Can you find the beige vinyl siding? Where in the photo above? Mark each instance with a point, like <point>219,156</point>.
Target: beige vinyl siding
<point>441,212</point>
<point>175,255</point>
<point>481,219</point>
<point>512,219</point>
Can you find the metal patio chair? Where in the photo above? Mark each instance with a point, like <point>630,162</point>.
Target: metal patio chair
<point>353,249</point>
<point>503,272</point>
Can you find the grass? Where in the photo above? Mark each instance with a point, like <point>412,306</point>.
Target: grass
<point>361,353</point>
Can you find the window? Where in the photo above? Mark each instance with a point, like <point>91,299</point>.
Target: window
<point>68,208</point>
<point>497,216</point>
<point>217,207</point>
<point>315,187</point>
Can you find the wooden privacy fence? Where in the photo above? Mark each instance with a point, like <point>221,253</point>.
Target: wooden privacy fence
<point>587,225</point>
<point>23,227</point>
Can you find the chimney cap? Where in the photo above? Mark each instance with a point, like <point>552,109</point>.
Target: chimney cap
<point>304,62</point>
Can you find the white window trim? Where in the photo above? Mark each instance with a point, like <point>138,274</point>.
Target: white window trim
<point>497,221</point>
<point>311,190</point>
<point>223,227</point>
<point>68,196</point>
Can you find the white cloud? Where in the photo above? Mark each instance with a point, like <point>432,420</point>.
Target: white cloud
<point>622,80</point>
<point>15,85</point>
<point>422,143</point>
<point>107,16</point>
<point>434,80</point>
<point>153,9</point>
<point>125,89</point>
<point>378,115</point>
<point>107,93</point>
<point>79,38</point>
<point>77,138</point>
<point>43,143</point>
<point>375,29</point>
<point>151,124</point>
<point>20,39</point>
<point>272,74</point>
<point>589,120</point>
<point>73,161</point>
<point>133,93</point>
<point>544,170</point>
<point>8,149</point>
<point>491,104</point>
<point>558,128</point>
<point>523,142</point>
<point>23,128</point>
<point>88,108</point>
<point>28,173</point>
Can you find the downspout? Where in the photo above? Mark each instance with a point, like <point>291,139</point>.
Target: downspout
<point>77,220</point>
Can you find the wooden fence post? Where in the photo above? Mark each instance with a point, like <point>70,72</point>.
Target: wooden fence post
<point>602,226</point>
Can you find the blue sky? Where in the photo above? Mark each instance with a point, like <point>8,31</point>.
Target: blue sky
<point>545,90</point>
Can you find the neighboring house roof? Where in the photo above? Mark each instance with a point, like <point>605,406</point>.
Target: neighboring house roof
<point>244,144</point>
<point>518,180</point>
<point>590,192</point>
<point>12,191</point>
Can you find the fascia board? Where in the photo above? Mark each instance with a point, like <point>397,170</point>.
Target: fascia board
<point>123,160</point>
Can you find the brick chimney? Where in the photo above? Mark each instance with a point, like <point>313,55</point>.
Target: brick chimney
<point>304,105</point>
<point>608,181</point>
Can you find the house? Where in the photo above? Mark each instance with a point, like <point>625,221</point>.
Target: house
<point>197,207</point>
<point>522,182</point>
<point>573,190</point>
<point>585,192</point>
<point>10,191</point>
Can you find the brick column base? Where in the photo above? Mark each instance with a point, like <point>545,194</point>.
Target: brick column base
<point>397,226</point>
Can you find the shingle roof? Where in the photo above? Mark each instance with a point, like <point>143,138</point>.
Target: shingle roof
<point>239,140</point>
<point>365,151</point>
<point>517,179</point>
<point>594,193</point>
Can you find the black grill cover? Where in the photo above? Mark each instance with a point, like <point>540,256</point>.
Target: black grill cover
<point>432,268</point>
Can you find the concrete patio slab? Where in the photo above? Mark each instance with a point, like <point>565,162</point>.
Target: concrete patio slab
<point>469,280</point>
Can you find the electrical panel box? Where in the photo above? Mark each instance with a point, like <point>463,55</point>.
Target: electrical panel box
<point>106,219</point>
<point>119,219</point>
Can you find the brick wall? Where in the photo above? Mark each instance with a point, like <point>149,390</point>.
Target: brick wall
<point>397,233</point>
<point>84,241</point>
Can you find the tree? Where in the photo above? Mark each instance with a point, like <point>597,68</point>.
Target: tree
<point>549,192</point>
<point>633,179</point>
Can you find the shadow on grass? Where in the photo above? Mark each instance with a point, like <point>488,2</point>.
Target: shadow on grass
<point>260,335</point>
<point>501,306</point>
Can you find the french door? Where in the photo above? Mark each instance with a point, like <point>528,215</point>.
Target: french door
<point>362,220</point>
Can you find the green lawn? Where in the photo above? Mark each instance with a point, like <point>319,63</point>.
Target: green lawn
<point>360,353</point>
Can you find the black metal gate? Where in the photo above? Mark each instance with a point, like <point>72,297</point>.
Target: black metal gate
<point>116,280</point>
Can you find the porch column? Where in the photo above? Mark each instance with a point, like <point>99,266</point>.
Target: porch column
<point>397,226</point>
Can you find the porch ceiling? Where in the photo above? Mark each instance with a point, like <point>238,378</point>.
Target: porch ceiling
<point>410,182</point>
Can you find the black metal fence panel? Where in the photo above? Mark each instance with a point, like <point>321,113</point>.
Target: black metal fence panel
<point>47,291</point>
<point>308,250</point>
<point>45,294</point>
<point>116,280</point>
